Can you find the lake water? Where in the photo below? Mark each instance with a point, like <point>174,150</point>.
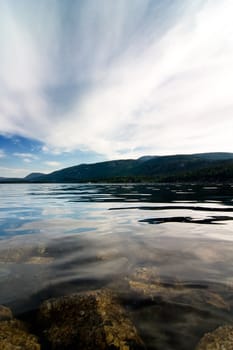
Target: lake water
<point>165,250</point>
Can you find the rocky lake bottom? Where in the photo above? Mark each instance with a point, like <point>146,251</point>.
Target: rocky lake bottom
<point>116,266</point>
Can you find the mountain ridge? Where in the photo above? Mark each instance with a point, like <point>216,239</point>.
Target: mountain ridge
<point>215,166</point>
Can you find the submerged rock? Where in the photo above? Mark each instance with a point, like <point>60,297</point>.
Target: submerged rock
<point>147,283</point>
<point>92,320</point>
<point>14,336</point>
<point>40,260</point>
<point>220,339</point>
<point>34,254</point>
<point>5,313</point>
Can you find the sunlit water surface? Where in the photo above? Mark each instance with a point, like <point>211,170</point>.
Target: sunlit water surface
<point>145,242</point>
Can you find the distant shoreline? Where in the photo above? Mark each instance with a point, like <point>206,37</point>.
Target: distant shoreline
<point>205,168</point>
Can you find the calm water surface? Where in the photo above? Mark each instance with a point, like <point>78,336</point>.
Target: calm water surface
<point>166,250</point>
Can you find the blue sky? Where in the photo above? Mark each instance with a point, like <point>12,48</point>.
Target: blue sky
<point>91,80</point>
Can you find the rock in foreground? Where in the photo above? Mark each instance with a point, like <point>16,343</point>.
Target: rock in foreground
<point>220,339</point>
<point>93,320</point>
<point>14,336</point>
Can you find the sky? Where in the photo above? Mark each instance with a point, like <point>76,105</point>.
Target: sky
<point>91,80</point>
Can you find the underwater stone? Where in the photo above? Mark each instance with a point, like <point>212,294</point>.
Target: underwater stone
<point>146,282</point>
<point>25,254</point>
<point>5,313</point>
<point>43,260</point>
<point>220,339</point>
<point>92,320</point>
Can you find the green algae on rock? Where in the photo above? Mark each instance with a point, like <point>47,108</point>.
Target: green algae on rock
<point>220,339</point>
<point>15,336</point>
<point>92,320</point>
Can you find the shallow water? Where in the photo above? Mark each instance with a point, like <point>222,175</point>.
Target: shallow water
<point>166,250</point>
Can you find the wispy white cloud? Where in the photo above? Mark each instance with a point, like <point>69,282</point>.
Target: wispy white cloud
<point>14,172</point>
<point>52,163</point>
<point>52,150</point>
<point>2,154</point>
<point>124,83</point>
<point>25,155</point>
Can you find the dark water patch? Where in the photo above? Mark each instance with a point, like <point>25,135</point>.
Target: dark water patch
<point>214,220</point>
<point>176,207</point>
<point>138,192</point>
<point>4,272</point>
<point>174,327</point>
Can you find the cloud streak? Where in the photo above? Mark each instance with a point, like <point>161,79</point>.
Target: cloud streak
<point>2,154</point>
<point>118,78</point>
<point>26,157</point>
<point>53,164</point>
<point>15,172</point>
